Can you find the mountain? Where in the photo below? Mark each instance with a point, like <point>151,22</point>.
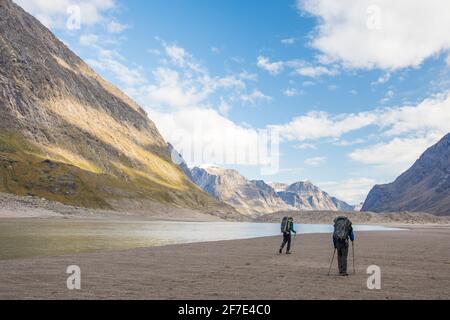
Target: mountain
<point>258,197</point>
<point>306,196</point>
<point>248,197</point>
<point>68,135</point>
<point>425,187</point>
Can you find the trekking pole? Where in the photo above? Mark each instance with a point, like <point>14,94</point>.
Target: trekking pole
<point>332,260</point>
<point>353,247</point>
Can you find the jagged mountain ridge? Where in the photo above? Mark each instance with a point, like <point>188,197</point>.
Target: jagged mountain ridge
<point>258,197</point>
<point>229,186</point>
<point>425,187</point>
<point>68,135</point>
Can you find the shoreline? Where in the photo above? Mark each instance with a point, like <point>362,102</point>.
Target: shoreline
<point>117,217</point>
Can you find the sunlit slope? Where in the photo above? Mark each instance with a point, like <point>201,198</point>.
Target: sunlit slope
<point>68,135</point>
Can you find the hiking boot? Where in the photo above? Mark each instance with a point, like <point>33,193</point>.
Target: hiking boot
<point>288,252</point>
<point>281,251</point>
<point>344,274</point>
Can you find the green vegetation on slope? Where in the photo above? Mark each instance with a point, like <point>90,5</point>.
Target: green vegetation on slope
<point>25,170</point>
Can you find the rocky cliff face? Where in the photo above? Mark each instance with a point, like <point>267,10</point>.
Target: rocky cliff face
<point>68,135</point>
<point>425,187</point>
<point>258,197</point>
<point>248,197</point>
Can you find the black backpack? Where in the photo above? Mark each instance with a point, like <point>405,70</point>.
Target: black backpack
<point>285,225</point>
<point>342,226</point>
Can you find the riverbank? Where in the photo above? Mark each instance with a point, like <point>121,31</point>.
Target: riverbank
<point>414,265</point>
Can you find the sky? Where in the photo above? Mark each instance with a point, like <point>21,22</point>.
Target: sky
<point>346,94</point>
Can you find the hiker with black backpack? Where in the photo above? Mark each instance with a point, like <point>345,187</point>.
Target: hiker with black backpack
<point>343,232</point>
<point>287,227</point>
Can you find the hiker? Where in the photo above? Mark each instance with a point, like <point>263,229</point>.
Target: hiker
<point>287,227</point>
<point>343,232</point>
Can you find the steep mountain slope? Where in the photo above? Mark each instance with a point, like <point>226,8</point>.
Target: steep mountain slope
<point>248,197</point>
<point>68,135</point>
<point>258,197</point>
<point>425,187</point>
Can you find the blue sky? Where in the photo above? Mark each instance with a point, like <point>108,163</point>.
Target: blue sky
<point>355,90</point>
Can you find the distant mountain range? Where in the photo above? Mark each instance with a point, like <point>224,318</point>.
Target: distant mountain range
<point>258,197</point>
<point>425,187</point>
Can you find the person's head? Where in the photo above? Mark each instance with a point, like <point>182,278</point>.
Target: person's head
<point>291,219</point>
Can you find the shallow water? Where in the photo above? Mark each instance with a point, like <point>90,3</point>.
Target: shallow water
<point>24,238</point>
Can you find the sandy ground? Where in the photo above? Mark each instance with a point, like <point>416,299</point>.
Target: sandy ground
<point>415,265</point>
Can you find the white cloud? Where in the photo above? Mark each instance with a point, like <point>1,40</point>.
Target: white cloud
<point>171,90</point>
<point>382,80</point>
<point>288,41</point>
<point>347,143</point>
<point>315,71</point>
<point>396,155</point>
<point>410,130</point>
<point>317,125</point>
<point>154,52</point>
<point>272,67</point>
<point>291,92</point>
<point>116,27</point>
<point>54,13</point>
<point>90,40</point>
<point>202,135</point>
<point>388,96</point>
<point>248,76</point>
<point>333,87</point>
<point>182,82</point>
<point>299,67</point>
<point>110,61</point>
<point>215,50</point>
<point>254,97</point>
<point>224,107</point>
<point>353,191</point>
<point>177,54</point>
<point>316,161</point>
<point>388,34</point>
<point>308,83</point>
<point>431,115</point>
<point>404,133</point>
<point>305,146</point>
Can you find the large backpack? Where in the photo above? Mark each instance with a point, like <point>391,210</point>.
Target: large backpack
<point>285,225</point>
<point>342,227</point>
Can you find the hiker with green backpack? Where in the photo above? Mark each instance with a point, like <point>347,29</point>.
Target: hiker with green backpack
<point>287,227</point>
<point>343,232</point>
